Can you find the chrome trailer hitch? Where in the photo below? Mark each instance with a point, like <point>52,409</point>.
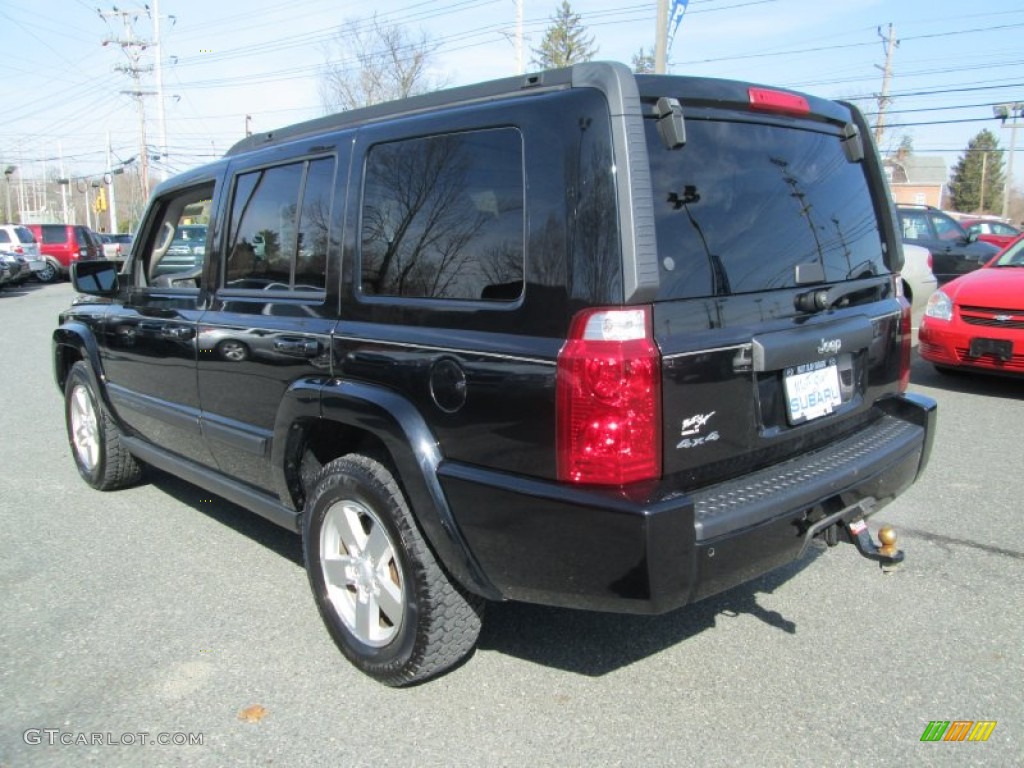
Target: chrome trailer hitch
<point>851,521</point>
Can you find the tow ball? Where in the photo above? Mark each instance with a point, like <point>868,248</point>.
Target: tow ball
<point>886,553</point>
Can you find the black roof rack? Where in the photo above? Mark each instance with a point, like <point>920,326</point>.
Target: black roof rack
<point>487,91</point>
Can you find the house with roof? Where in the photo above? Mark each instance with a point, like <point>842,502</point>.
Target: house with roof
<point>916,179</point>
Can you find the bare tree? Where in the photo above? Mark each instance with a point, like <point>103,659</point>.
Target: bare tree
<point>370,61</point>
<point>416,231</point>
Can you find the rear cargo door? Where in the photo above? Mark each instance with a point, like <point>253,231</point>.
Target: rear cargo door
<point>776,316</point>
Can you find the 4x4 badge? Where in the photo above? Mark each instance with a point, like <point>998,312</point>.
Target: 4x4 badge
<point>691,428</point>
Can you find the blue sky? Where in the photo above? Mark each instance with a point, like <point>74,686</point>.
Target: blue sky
<point>225,60</point>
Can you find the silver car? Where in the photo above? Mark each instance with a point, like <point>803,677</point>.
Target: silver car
<point>20,240</point>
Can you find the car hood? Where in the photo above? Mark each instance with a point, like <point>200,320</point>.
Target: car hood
<point>999,287</point>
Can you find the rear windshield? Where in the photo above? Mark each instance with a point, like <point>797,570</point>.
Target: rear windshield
<point>25,235</point>
<point>742,203</point>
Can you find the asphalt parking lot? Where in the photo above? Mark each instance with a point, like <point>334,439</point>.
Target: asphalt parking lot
<point>160,613</point>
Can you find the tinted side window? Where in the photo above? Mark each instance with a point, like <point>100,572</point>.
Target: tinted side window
<point>280,227</point>
<point>54,234</point>
<point>946,228</point>
<point>443,217</point>
<point>741,204</point>
<point>4,237</point>
<point>914,226</point>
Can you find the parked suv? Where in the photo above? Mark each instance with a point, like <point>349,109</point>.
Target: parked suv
<point>579,338</point>
<point>954,251</point>
<point>20,240</point>
<point>63,245</point>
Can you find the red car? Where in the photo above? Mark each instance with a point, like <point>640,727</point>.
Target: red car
<point>62,245</point>
<point>976,322</point>
<point>995,232</point>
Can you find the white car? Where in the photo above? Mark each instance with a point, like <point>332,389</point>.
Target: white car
<point>116,247</point>
<point>918,281</point>
<point>20,240</point>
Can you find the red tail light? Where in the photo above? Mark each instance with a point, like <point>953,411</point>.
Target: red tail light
<point>905,331</point>
<point>609,399</point>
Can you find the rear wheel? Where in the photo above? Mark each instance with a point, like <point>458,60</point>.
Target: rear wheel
<point>233,350</point>
<point>94,437</point>
<point>385,599</point>
<point>49,273</point>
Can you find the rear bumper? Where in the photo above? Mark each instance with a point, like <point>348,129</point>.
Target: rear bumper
<point>620,550</point>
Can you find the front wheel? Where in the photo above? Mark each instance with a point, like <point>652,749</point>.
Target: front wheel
<point>383,596</point>
<point>95,440</point>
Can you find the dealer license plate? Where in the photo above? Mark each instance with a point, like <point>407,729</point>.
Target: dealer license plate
<point>812,391</point>
<point>998,347</point>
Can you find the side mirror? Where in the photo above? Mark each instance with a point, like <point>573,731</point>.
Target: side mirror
<point>972,236</point>
<point>96,278</point>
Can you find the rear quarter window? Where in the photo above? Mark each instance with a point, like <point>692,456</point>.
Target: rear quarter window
<point>741,204</point>
<point>443,217</point>
<point>54,234</point>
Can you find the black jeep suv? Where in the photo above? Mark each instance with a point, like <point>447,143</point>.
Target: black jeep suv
<point>581,338</point>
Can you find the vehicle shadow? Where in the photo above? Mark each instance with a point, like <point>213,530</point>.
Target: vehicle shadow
<point>923,373</point>
<point>23,289</point>
<point>249,524</point>
<point>593,644</point>
<point>589,643</point>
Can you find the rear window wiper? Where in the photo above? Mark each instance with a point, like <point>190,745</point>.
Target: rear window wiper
<point>841,295</point>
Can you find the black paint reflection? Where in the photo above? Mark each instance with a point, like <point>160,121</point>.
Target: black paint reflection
<point>443,217</point>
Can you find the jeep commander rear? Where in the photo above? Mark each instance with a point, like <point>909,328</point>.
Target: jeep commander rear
<point>582,338</point>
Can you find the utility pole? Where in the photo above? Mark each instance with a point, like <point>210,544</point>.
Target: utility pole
<point>984,173</point>
<point>520,69</point>
<point>1003,111</point>
<point>112,201</point>
<point>133,48</point>
<point>158,56</point>
<point>891,43</point>
<point>661,38</point>
<point>63,183</point>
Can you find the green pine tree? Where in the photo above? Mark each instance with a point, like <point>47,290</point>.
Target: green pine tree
<point>565,41</point>
<point>976,184</point>
<point>643,61</point>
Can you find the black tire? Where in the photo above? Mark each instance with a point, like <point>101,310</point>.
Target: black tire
<point>49,274</point>
<point>95,440</point>
<point>387,602</point>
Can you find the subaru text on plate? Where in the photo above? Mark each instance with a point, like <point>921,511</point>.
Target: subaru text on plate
<point>579,338</point>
